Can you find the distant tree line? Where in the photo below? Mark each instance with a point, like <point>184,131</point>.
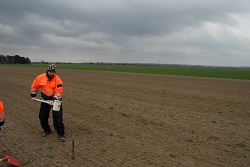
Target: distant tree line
<point>16,59</point>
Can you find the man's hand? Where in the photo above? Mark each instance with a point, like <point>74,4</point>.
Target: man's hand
<point>51,103</point>
<point>33,98</point>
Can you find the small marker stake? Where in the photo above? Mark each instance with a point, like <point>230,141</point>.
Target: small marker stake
<point>73,145</point>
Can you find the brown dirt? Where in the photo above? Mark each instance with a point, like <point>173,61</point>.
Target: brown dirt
<point>129,120</point>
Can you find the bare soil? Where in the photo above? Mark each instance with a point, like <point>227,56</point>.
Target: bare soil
<point>129,120</point>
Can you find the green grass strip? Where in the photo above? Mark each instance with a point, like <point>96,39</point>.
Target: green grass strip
<point>214,72</point>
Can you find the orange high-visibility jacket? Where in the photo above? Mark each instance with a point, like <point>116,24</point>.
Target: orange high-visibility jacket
<point>1,113</point>
<point>50,88</point>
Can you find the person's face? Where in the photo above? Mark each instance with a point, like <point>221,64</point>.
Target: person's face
<point>51,73</point>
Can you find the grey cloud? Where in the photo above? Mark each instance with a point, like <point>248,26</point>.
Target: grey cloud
<point>120,30</point>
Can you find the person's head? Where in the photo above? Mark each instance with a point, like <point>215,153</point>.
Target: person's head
<point>51,71</point>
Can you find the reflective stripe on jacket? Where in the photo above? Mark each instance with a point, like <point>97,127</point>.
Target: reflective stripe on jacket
<point>1,113</point>
<point>50,88</point>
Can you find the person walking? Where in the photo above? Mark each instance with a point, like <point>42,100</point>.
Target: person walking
<point>51,88</point>
<point>2,119</point>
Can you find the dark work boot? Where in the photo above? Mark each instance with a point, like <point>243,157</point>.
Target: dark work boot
<point>46,133</point>
<point>61,138</point>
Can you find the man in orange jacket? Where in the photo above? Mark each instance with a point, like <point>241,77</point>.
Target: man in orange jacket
<point>2,119</point>
<point>51,88</point>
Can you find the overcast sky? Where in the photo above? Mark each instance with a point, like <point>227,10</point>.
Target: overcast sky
<point>194,32</point>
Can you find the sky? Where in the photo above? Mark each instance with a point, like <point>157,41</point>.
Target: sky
<point>191,32</point>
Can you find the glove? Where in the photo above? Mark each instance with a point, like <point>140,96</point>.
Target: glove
<point>51,103</point>
<point>52,100</point>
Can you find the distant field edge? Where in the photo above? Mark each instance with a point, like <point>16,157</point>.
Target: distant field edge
<point>213,72</point>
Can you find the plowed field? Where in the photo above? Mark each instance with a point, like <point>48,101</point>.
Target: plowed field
<point>129,120</point>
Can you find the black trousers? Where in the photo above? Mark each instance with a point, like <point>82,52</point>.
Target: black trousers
<point>57,118</point>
